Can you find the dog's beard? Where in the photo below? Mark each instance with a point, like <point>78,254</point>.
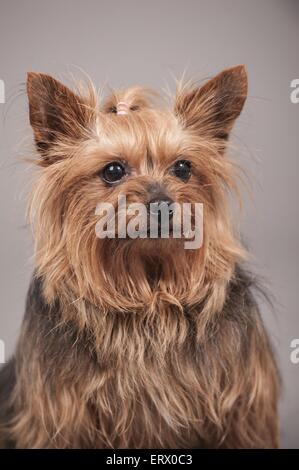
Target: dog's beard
<point>141,267</point>
<point>151,255</point>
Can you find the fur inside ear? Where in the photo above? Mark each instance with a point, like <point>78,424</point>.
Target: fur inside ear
<point>55,111</point>
<point>212,108</point>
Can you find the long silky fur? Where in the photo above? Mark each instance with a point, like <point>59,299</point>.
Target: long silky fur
<point>123,345</point>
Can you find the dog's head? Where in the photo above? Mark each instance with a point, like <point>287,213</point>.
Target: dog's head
<point>94,155</point>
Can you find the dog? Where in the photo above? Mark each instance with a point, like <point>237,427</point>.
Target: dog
<point>137,342</point>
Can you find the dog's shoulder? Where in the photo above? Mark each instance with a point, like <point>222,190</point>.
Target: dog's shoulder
<point>7,383</point>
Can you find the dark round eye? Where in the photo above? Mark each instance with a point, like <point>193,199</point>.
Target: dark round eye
<point>113,172</point>
<point>182,170</point>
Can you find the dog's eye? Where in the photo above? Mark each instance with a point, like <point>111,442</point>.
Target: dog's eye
<point>182,170</point>
<point>113,172</point>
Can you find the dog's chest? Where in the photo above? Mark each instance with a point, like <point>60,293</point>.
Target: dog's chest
<point>151,403</point>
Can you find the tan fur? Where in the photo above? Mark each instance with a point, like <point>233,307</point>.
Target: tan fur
<point>156,360</point>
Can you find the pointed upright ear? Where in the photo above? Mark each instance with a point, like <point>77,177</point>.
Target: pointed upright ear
<point>54,110</point>
<point>210,110</point>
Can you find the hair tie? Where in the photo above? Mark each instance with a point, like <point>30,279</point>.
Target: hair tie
<point>122,108</point>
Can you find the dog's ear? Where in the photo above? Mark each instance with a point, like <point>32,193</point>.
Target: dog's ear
<point>55,111</point>
<point>210,110</point>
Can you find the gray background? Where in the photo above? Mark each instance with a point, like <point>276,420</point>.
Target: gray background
<point>147,42</point>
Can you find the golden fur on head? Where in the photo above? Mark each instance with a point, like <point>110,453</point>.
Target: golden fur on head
<point>149,140</point>
<point>158,348</point>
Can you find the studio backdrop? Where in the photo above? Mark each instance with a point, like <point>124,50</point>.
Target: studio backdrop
<point>122,43</point>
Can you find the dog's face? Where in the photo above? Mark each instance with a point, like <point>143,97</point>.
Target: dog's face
<point>91,154</point>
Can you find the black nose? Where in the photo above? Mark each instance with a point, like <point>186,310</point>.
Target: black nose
<point>157,205</point>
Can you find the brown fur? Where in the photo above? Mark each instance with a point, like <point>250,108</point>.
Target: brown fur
<point>138,343</point>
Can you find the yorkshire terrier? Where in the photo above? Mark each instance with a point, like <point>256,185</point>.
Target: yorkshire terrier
<point>137,342</point>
